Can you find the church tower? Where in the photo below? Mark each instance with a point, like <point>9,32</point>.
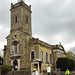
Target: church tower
<point>21,17</point>
<point>17,50</point>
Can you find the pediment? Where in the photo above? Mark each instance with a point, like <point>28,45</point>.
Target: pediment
<point>60,47</point>
<point>13,34</point>
<point>37,60</point>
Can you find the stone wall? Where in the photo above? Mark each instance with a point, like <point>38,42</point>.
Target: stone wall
<point>26,72</point>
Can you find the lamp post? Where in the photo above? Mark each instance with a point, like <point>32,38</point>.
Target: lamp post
<point>0,70</point>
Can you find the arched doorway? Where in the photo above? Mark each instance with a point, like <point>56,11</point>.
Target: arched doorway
<point>15,64</point>
<point>36,63</point>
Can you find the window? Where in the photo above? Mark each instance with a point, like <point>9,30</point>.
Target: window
<point>32,55</point>
<point>15,47</point>
<point>50,58</point>
<point>26,19</point>
<point>42,55</point>
<point>16,19</point>
<point>46,57</point>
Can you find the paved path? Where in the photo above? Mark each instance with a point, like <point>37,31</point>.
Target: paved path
<point>72,74</point>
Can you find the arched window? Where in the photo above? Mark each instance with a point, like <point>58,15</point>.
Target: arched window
<point>16,19</point>
<point>15,47</point>
<point>32,55</point>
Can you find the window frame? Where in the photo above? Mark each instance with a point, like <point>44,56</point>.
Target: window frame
<point>50,58</point>
<point>42,55</point>
<point>15,47</point>
<point>46,57</point>
<point>26,19</point>
<point>31,55</point>
<point>16,19</point>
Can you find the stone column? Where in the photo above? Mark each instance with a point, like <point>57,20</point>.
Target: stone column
<point>18,64</point>
<point>11,62</point>
<point>31,68</point>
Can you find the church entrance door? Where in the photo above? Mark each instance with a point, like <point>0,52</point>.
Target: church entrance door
<point>36,63</point>
<point>15,64</point>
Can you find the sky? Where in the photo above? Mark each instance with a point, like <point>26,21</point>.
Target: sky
<point>53,21</point>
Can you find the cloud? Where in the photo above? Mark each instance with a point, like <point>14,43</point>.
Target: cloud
<point>53,21</point>
<point>73,49</point>
<point>50,20</point>
<point>4,13</point>
<point>2,47</point>
<point>1,53</point>
<point>3,33</point>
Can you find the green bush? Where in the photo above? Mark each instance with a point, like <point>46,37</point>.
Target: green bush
<point>1,61</point>
<point>5,68</point>
<point>65,63</point>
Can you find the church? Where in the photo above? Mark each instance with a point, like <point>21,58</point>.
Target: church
<point>24,51</point>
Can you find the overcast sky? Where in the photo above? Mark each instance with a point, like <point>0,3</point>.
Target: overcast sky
<point>53,21</point>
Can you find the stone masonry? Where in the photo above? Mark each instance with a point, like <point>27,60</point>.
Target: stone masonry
<point>21,47</point>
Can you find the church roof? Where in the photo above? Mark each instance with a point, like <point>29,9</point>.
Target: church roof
<point>37,41</point>
<point>53,47</point>
<point>58,47</point>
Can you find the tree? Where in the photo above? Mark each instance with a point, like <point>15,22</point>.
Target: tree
<point>1,61</point>
<point>74,62</point>
<point>74,57</point>
<point>65,63</point>
<point>70,55</point>
<point>5,68</point>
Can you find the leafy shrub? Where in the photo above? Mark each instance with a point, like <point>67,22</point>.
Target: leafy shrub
<point>65,63</point>
<point>5,68</point>
<point>1,61</point>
